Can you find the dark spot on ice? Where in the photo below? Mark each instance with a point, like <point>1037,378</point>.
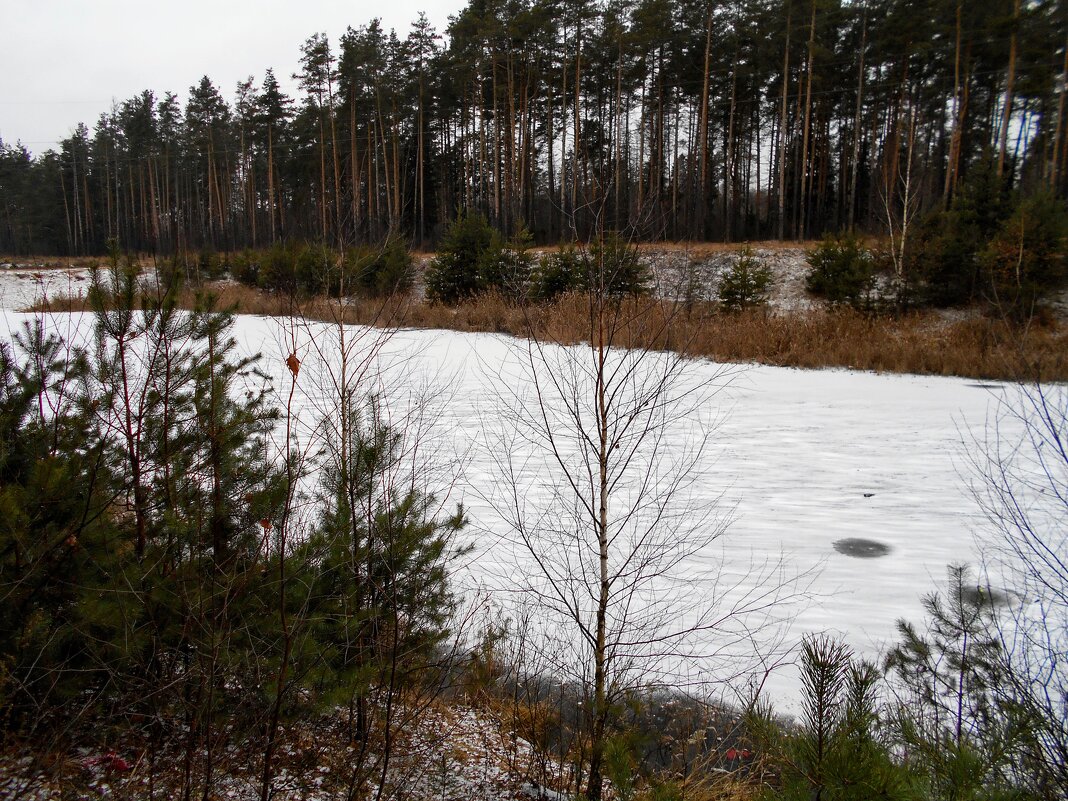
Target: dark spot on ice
<point>861,548</point>
<point>995,596</point>
<point>868,494</point>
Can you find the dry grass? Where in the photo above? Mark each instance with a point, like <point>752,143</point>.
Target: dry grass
<point>921,343</point>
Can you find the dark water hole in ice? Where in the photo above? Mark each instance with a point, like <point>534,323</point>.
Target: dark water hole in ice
<point>860,548</point>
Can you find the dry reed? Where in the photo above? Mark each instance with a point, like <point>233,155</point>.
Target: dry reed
<point>922,343</point>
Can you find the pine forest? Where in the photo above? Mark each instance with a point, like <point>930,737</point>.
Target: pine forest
<point>672,120</point>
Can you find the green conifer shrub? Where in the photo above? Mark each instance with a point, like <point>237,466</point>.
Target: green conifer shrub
<point>315,268</point>
<point>746,283</point>
<point>842,272</point>
<point>455,273</point>
<point>506,267</point>
<point>839,750</point>
<point>558,273</point>
<point>277,270</point>
<point>245,267</point>
<point>964,734</point>
<point>943,257</point>
<point>379,271</point>
<point>616,267</point>
<point>1028,256</point>
<point>378,568</point>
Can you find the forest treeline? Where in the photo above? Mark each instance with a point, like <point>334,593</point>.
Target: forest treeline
<point>677,119</point>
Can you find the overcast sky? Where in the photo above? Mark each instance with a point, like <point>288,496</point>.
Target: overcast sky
<point>64,61</point>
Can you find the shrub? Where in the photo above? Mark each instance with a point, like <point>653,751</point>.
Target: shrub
<point>277,271</point>
<point>454,274</point>
<point>245,268</point>
<point>1025,260</point>
<point>186,268</point>
<point>382,271</point>
<point>944,256</point>
<point>473,259</point>
<point>746,283</point>
<point>210,266</point>
<point>611,264</point>
<point>288,269</point>
<point>843,272</point>
<point>405,549</point>
<point>944,259</point>
<point>172,272</point>
<point>835,751</point>
<point>559,273</point>
<point>616,267</point>
<point>956,715</point>
<point>315,264</point>
<point>507,268</point>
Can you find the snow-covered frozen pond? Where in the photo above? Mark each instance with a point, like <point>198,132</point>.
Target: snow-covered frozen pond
<point>801,460</point>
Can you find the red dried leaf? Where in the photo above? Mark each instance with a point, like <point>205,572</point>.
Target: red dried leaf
<point>293,363</point>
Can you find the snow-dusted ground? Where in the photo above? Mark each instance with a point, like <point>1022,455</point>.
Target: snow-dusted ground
<point>453,753</point>
<point>22,286</point>
<point>799,459</point>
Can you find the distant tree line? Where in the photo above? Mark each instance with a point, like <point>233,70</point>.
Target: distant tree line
<point>684,119</point>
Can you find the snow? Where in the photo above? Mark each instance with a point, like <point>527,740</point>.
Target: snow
<point>682,272</point>
<point>799,460</point>
<point>22,287</point>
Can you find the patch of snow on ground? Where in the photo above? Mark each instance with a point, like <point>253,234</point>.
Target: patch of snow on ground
<point>21,288</point>
<point>681,274</point>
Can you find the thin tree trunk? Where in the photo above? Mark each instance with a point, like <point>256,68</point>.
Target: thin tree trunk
<point>618,149</point>
<point>801,231</point>
<point>577,109</point>
<point>782,129</point>
<point>703,154</point>
<point>355,168</point>
<point>599,712</point>
<point>270,181</point>
<point>338,230</point>
<point>1010,85</point>
<point>496,144</point>
<point>728,163</point>
<point>322,178</point>
<point>420,146</point>
<point>954,142</point>
<point>856,124</point>
<point>1054,173</point>
<point>66,212</point>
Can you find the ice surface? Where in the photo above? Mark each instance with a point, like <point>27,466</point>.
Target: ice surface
<point>801,460</point>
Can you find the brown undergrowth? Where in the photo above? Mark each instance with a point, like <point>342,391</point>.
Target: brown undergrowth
<point>61,262</point>
<point>924,343</point>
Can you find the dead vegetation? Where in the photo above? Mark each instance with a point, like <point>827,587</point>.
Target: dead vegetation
<point>924,343</point>
<point>491,737</point>
<point>56,262</point>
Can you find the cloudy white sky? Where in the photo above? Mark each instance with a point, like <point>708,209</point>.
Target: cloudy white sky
<point>66,61</point>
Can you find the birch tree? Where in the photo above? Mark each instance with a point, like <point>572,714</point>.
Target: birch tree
<point>600,491</point>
